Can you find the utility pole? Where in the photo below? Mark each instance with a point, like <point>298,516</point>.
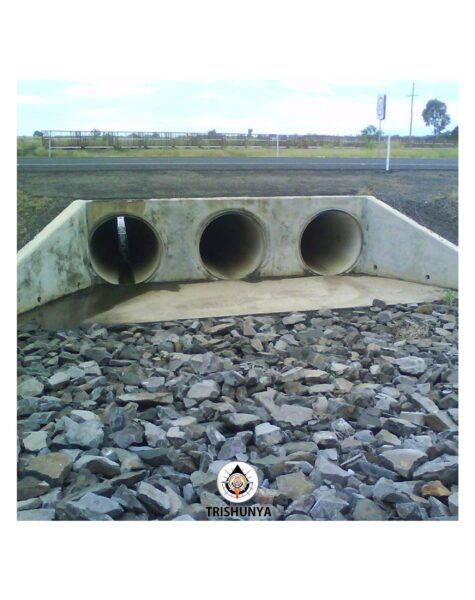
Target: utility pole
<point>411,96</point>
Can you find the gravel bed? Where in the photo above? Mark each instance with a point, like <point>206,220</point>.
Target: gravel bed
<point>344,414</point>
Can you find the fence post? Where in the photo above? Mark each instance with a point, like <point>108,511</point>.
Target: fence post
<point>49,146</point>
<point>388,153</point>
<point>277,146</point>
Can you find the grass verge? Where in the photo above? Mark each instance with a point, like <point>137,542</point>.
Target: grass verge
<point>32,147</point>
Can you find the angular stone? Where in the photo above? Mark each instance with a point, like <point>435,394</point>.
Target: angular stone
<point>130,435</point>
<point>330,471</point>
<point>133,375</point>
<point>154,499</point>
<point>39,514</point>
<point>399,427</point>
<point>291,413</point>
<point>153,384</point>
<point>53,467</point>
<point>313,376</point>
<point>231,448</point>
<point>233,378</point>
<point>88,434</point>
<point>454,504</point>
<point>295,485</point>
<point>127,499</point>
<point>326,439</point>
<point>36,441</point>
<point>428,405</point>
<point>411,365</point>
<point>440,421</point>
<point>444,468</point>
<point>155,436</point>
<point>411,511</point>
<point>98,465</point>
<point>329,506</point>
<point>367,510</point>
<point>93,507</point>
<point>207,389</point>
<point>239,421</point>
<point>266,435</point>
<point>59,380</point>
<point>31,487</point>
<point>146,399</point>
<point>403,461</point>
<point>435,488</point>
<point>29,386</point>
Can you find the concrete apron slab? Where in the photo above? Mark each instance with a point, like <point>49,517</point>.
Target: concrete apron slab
<point>231,298</point>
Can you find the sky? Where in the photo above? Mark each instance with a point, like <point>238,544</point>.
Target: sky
<point>284,106</point>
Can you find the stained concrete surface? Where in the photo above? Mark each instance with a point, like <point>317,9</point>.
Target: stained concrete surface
<point>164,302</point>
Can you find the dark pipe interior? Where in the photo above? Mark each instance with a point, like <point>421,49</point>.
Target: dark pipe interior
<point>232,246</point>
<point>331,243</point>
<point>129,258</point>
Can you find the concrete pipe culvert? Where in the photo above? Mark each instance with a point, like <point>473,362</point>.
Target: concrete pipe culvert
<point>232,245</point>
<point>124,250</point>
<point>331,243</point>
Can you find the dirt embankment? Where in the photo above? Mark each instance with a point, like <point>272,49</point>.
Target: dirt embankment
<point>428,197</point>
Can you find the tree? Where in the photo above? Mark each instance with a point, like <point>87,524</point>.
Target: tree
<point>370,131</point>
<point>435,115</point>
<point>38,134</point>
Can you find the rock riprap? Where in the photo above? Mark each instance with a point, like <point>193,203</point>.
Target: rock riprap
<point>345,415</point>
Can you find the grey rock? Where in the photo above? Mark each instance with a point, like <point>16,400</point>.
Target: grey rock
<point>98,465</point>
<point>295,485</point>
<point>53,467</point>
<point>31,487</point>
<point>367,510</point>
<point>291,414</point>
<point>239,421</point>
<point>36,441</point>
<point>329,506</point>
<point>330,471</point>
<point>454,504</point>
<point>266,435</point>
<point>444,468</point>
<point>59,380</point>
<point>29,386</point>
<point>39,514</point>
<point>88,434</point>
<point>93,507</point>
<point>130,435</point>
<point>403,461</point>
<point>204,390</point>
<point>411,365</point>
<point>154,499</point>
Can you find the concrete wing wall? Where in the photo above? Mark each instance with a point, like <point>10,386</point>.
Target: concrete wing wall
<point>55,262</point>
<point>396,246</point>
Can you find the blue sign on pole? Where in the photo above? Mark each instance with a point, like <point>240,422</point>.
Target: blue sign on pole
<point>381,107</point>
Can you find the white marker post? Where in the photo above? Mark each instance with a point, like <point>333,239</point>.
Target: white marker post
<point>388,153</point>
<point>277,146</point>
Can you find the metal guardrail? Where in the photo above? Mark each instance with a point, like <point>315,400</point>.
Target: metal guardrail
<point>213,139</point>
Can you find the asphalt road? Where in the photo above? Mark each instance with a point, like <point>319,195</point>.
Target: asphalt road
<point>229,164</point>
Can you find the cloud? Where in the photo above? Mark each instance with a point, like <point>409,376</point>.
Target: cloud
<point>28,99</point>
<point>95,90</point>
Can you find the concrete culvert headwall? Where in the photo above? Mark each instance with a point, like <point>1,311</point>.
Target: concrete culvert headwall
<point>124,250</point>
<point>331,243</point>
<point>232,245</point>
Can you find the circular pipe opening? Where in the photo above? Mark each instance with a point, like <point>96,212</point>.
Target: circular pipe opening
<point>124,250</point>
<point>232,245</point>
<point>331,243</point>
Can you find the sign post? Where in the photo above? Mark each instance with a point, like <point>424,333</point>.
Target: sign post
<point>381,109</point>
<point>388,153</point>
